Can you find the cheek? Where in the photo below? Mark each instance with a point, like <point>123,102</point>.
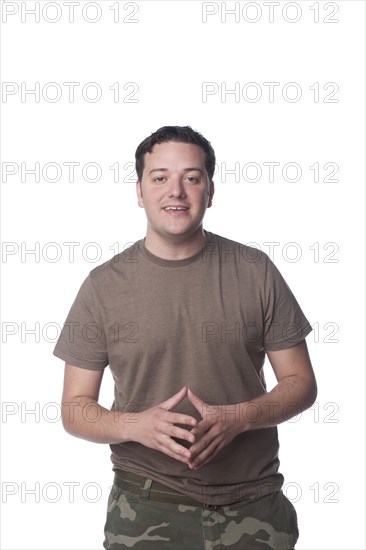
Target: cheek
<point>199,198</point>
<point>153,199</point>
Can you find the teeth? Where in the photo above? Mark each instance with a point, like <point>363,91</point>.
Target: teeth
<point>174,208</point>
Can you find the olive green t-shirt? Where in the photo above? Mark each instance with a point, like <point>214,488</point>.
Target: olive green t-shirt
<point>204,322</point>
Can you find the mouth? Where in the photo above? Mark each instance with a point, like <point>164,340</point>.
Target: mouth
<point>176,210</point>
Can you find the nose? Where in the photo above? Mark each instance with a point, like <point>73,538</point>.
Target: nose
<point>176,188</point>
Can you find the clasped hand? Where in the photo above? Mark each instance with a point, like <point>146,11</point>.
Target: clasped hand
<point>158,426</point>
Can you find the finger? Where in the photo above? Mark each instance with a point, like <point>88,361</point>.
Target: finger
<point>174,450</point>
<point>204,456</point>
<point>179,418</point>
<point>181,433</point>
<point>197,448</point>
<point>201,428</point>
<point>174,400</point>
<point>203,442</point>
<point>196,401</point>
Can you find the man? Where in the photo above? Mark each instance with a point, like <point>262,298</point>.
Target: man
<point>184,318</point>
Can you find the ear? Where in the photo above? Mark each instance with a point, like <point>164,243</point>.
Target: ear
<point>140,201</point>
<point>211,194</point>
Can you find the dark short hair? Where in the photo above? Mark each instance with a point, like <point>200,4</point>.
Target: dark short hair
<point>182,134</point>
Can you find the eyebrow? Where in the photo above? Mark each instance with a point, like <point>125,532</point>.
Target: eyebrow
<point>184,170</point>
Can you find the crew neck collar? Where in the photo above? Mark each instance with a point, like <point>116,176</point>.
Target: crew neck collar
<point>171,263</point>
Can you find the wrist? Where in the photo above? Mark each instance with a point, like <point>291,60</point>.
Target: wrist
<point>250,414</point>
<point>125,425</point>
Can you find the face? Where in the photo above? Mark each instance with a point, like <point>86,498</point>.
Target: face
<point>174,190</point>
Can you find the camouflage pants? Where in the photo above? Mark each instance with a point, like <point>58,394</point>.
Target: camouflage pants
<point>269,522</point>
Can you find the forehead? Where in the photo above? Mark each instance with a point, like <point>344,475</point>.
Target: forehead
<point>174,155</point>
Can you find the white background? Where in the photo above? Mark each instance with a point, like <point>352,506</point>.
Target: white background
<point>169,52</point>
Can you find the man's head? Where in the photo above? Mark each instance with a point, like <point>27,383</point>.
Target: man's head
<point>175,168</point>
<point>182,134</point>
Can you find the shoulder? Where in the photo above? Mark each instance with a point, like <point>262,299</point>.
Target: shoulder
<point>117,265</point>
<point>228,250</point>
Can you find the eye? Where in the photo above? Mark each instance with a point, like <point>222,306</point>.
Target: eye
<point>159,179</point>
<point>192,179</point>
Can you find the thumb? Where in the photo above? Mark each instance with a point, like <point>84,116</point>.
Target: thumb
<point>196,401</point>
<point>174,400</point>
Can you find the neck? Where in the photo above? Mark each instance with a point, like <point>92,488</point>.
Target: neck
<point>175,247</point>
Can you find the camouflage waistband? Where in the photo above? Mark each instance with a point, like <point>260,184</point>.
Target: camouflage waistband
<point>152,490</point>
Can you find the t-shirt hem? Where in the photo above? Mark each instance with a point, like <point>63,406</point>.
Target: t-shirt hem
<point>78,362</point>
<point>289,343</point>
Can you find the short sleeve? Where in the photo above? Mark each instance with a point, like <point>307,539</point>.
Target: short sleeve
<point>82,341</point>
<point>285,323</point>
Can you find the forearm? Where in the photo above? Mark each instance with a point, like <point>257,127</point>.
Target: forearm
<point>220,424</point>
<point>155,428</point>
<point>85,418</point>
<point>287,399</point>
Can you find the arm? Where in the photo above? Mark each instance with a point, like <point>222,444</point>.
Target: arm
<point>83,416</point>
<point>295,391</point>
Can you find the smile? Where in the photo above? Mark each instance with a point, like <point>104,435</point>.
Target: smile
<point>175,208</point>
